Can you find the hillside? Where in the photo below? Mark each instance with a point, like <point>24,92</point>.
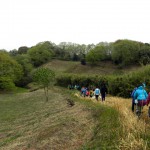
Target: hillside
<point>103,68</point>
<point>27,122</point>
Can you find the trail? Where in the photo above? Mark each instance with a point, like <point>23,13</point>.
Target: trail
<point>132,126</point>
<point>121,104</point>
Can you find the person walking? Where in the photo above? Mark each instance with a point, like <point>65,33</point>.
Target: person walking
<point>141,96</point>
<point>133,100</point>
<point>103,92</point>
<point>97,93</point>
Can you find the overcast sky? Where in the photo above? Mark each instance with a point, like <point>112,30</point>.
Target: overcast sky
<point>28,22</point>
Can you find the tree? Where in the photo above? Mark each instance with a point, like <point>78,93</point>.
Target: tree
<point>23,50</point>
<point>144,54</point>
<point>41,53</point>
<point>73,51</point>
<point>27,66</point>
<point>99,53</point>
<point>125,52</point>
<point>10,71</point>
<point>44,77</point>
<point>13,52</point>
<point>92,57</point>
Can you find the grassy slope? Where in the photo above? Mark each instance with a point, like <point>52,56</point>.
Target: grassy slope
<point>28,122</point>
<point>76,68</point>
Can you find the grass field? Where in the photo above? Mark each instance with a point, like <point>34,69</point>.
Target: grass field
<point>102,68</point>
<point>28,122</point>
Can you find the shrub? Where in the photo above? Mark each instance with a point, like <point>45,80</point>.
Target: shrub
<point>6,84</point>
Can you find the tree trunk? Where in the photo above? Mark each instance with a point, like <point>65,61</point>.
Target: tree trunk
<point>46,93</point>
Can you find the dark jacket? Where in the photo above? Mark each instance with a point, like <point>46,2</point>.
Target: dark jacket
<point>103,90</point>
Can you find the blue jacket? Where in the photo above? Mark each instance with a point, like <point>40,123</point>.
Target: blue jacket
<point>140,93</point>
<point>97,91</point>
<point>132,94</point>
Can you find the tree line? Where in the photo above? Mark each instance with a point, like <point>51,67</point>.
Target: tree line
<point>16,65</point>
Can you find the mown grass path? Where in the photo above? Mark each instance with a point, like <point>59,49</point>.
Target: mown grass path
<point>27,122</point>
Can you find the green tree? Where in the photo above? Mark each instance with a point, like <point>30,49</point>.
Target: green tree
<point>73,51</point>
<point>92,57</point>
<point>13,52</point>
<point>22,50</point>
<point>27,66</point>
<point>44,77</point>
<point>9,70</point>
<point>99,53</point>
<point>144,54</point>
<point>41,53</point>
<point>125,52</point>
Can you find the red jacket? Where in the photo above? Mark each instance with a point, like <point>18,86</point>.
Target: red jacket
<point>148,99</point>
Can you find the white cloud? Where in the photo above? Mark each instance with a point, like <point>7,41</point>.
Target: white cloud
<point>27,22</point>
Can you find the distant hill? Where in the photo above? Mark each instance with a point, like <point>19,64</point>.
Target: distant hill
<point>103,68</point>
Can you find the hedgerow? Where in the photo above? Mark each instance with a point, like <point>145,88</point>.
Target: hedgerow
<point>118,85</point>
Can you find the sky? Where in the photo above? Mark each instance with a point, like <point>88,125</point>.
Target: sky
<point>28,22</point>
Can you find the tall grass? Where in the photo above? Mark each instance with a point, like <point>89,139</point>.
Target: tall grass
<point>133,129</point>
<point>118,127</point>
<point>107,130</point>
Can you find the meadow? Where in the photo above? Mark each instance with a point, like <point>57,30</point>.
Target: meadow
<point>28,122</point>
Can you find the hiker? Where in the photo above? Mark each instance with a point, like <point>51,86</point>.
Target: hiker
<point>91,93</point>
<point>83,91</point>
<point>97,93</point>
<point>133,100</point>
<point>87,92</point>
<point>148,99</point>
<point>103,92</point>
<point>141,95</point>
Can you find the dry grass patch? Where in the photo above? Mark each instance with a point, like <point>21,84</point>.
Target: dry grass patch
<point>134,132</point>
<point>133,129</point>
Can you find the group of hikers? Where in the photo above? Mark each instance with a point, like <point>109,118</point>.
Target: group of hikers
<point>92,91</point>
<point>140,98</point>
<point>139,95</point>
<point>95,92</point>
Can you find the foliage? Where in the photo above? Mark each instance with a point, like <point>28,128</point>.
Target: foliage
<point>144,54</point>
<point>118,85</point>
<point>41,53</point>
<point>44,76</point>
<point>125,52</point>
<point>10,69</point>
<point>23,50</point>
<point>73,51</point>
<point>99,53</point>
<point>13,52</point>
<point>6,84</point>
<point>81,80</point>
<point>27,66</point>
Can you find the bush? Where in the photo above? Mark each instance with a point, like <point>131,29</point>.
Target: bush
<point>6,84</point>
<point>118,85</point>
<point>10,71</point>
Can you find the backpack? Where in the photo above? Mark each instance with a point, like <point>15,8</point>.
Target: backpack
<point>97,91</point>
